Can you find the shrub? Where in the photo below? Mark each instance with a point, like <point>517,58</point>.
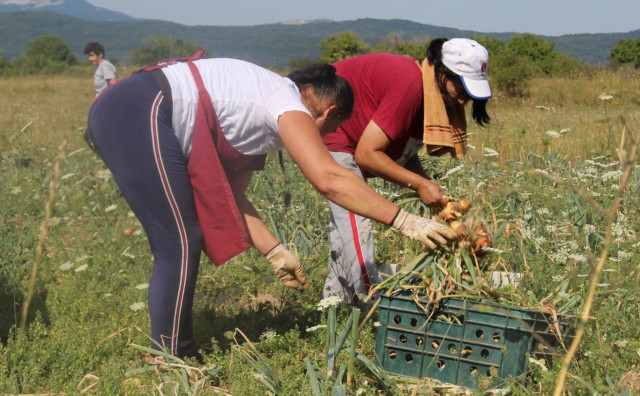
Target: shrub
<point>46,54</point>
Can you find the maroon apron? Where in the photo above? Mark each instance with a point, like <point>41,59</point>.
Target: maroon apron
<point>211,162</point>
<point>212,159</point>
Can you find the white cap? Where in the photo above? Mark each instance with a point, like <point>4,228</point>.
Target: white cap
<point>469,60</point>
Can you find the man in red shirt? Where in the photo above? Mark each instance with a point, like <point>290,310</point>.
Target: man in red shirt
<point>383,136</point>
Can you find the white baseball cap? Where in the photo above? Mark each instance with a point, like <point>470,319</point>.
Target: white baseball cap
<point>469,60</point>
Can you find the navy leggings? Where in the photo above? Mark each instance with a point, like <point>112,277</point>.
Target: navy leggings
<point>131,129</point>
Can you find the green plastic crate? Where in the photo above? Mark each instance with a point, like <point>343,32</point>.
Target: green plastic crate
<point>462,342</point>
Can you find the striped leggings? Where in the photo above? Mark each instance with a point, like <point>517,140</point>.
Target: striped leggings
<point>130,126</point>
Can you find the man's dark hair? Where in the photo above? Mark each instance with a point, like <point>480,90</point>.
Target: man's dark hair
<point>94,47</point>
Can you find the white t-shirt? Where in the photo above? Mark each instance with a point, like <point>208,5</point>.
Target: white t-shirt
<point>104,72</point>
<point>247,98</point>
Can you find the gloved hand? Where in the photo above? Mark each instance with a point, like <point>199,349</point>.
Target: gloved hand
<point>422,229</point>
<point>287,268</point>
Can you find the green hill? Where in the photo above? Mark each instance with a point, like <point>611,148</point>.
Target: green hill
<point>271,44</point>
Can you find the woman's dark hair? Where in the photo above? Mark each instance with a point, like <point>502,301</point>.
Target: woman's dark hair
<point>434,56</point>
<point>327,85</point>
<point>94,47</point>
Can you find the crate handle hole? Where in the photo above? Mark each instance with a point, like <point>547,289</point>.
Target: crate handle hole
<point>467,351</point>
<point>393,355</point>
<point>479,334</point>
<point>496,337</point>
<point>435,345</point>
<point>484,353</point>
<point>403,338</point>
<point>413,322</point>
<point>441,364</point>
<point>474,371</point>
<point>397,319</point>
<point>408,357</point>
<point>489,374</point>
<point>452,349</point>
<point>419,341</point>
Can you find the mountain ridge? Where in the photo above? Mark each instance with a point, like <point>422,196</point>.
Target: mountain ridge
<point>262,44</point>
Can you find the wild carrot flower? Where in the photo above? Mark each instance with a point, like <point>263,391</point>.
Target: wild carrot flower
<point>332,301</point>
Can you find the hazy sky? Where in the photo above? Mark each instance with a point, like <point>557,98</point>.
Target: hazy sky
<point>546,17</point>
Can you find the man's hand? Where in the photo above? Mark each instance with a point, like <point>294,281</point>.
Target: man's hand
<point>287,268</point>
<point>422,229</point>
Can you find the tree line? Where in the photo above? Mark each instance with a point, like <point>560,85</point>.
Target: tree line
<point>513,63</point>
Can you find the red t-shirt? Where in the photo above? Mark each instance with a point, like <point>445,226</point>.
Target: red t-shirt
<point>388,90</point>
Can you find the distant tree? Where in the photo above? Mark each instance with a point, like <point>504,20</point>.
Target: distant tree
<point>394,43</point>
<point>4,65</point>
<point>626,52</point>
<point>495,46</point>
<point>535,49</point>
<point>156,48</point>
<point>342,46</point>
<point>46,54</point>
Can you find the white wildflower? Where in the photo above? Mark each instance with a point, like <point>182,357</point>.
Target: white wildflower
<point>16,190</point>
<point>490,152</point>
<point>565,130</point>
<point>611,175</point>
<point>492,250</point>
<point>605,97</point>
<point>623,255</point>
<point>130,214</point>
<point>138,306</point>
<point>621,344</point>
<point>66,266</point>
<point>142,286</point>
<point>110,208</point>
<point>578,257</point>
<point>377,324</point>
<point>557,278</point>
<point>553,134</point>
<point>268,333</point>
<point>541,171</point>
<point>609,270</point>
<point>329,302</point>
<point>544,211</point>
<point>453,170</point>
<point>316,328</point>
<point>103,174</point>
<point>81,268</point>
<point>539,364</point>
<point>589,229</point>
<point>604,284</point>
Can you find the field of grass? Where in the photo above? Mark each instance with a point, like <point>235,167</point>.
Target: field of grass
<point>555,178</point>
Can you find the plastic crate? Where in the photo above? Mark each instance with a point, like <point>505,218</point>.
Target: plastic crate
<point>461,341</point>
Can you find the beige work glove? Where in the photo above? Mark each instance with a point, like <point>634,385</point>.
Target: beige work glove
<point>287,268</point>
<point>422,229</point>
